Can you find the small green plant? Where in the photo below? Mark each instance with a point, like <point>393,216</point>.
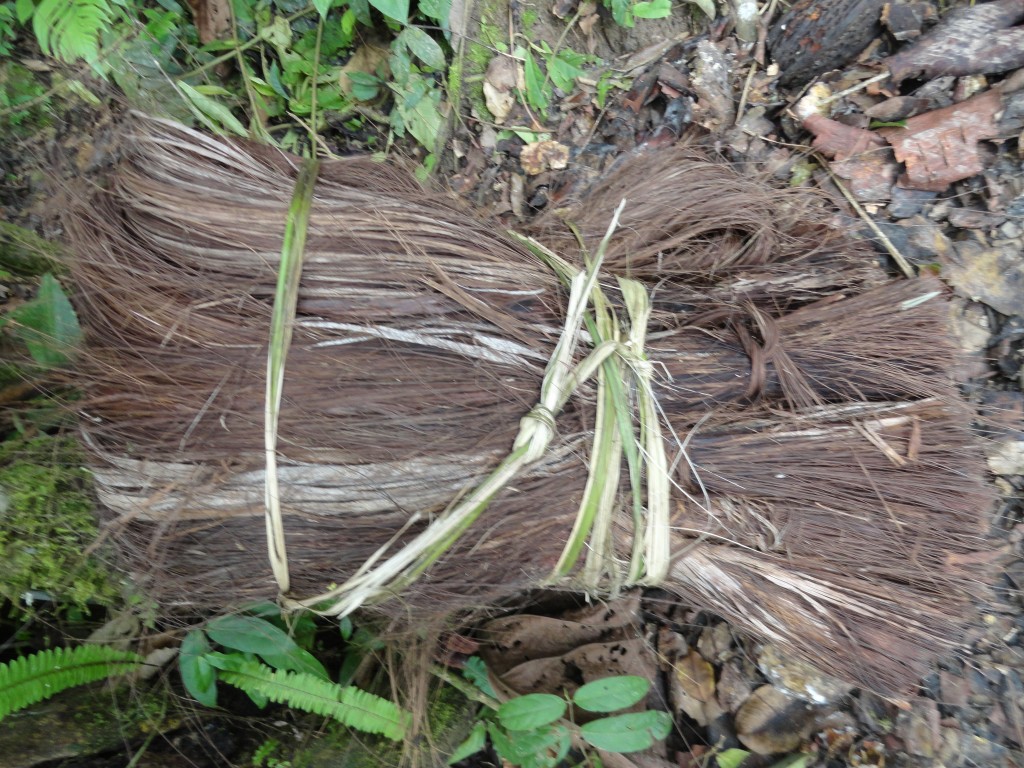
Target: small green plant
<point>47,325</point>
<point>264,756</point>
<point>526,732</point>
<point>265,662</point>
<point>30,679</point>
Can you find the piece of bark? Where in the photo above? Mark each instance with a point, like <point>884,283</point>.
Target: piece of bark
<point>905,20</point>
<point>978,40</point>
<point>941,146</point>
<point>817,36</point>
<point>859,156</point>
<point>212,19</point>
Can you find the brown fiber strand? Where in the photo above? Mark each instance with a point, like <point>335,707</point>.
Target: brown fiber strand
<point>828,496</point>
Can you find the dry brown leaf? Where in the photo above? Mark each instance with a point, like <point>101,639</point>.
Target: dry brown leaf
<point>544,156</point>
<point>693,688</point>
<point>504,76</point>
<point>941,146</point>
<point>212,19</point>
<point>972,40</point>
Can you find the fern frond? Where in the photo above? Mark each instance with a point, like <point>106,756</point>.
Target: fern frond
<point>70,29</point>
<point>31,679</point>
<point>301,690</point>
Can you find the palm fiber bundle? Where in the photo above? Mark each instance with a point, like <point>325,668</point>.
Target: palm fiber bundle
<point>826,493</point>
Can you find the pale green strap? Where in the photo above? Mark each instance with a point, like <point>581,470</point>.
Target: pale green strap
<point>282,321</point>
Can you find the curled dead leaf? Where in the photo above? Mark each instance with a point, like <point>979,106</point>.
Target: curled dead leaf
<point>503,77</point>
<point>693,688</point>
<point>543,156</point>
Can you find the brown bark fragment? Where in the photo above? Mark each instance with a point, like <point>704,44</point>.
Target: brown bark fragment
<point>969,41</point>
<point>212,19</point>
<point>941,146</point>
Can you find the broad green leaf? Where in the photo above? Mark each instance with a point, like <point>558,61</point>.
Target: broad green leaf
<point>48,325</point>
<point>393,9</point>
<point>211,113</point>
<point>525,713</point>
<point>365,87</point>
<point>622,13</point>
<point>423,46</point>
<point>627,733</point>
<point>322,7</point>
<point>731,758</point>
<point>297,660</point>
<point>24,10</point>
<point>250,635</point>
<point>439,11</point>
<point>655,9</point>
<point>199,678</point>
<point>540,748</point>
<point>536,87</point>
<point>476,741</point>
<point>611,693</point>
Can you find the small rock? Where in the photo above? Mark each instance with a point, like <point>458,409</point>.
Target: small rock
<point>799,678</point>
<point>908,202</point>
<point>772,721</point>
<point>993,275</point>
<point>971,218</point>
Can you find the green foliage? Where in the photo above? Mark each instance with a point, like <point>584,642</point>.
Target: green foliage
<point>300,690</point>
<point>23,102</point>
<point>47,325</point>
<point>283,673</point>
<point>525,731</point>
<point>30,679</point>
<point>71,29</point>
<point>46,522</point>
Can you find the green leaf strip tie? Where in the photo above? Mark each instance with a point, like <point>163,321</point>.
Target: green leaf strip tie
<point>621,367</point>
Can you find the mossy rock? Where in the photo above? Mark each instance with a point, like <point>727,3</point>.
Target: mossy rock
<point>47,523</point>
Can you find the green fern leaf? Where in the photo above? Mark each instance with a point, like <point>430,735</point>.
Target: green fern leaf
<point>301,690</point>
<point>31,679</point>
<point>70,29</point>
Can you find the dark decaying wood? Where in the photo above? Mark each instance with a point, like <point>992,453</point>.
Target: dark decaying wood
<point>829,496</point>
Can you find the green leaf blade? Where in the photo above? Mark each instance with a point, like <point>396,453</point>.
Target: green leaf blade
<point>397,10</point>
<point>627,733</point>
<point>423,47</point>
<point>611,693</point>
<point>534,710</point>
<point>48,325</point>
<point>199,678</point>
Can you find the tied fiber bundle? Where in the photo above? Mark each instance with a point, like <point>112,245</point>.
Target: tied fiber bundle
<point>825,491</point>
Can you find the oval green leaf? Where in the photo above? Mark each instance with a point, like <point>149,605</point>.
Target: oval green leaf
<point>732,758</point>
<point>249,634</point>
<point>611,693</point>
<point>524,713</point>
<point>199,678</point>
<point>393,9</point>
<point>476,741</point>
<point>423,46</point>
<point>627,733</point>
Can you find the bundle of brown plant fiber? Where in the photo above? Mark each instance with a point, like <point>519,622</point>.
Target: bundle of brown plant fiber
<point>798,459</point>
